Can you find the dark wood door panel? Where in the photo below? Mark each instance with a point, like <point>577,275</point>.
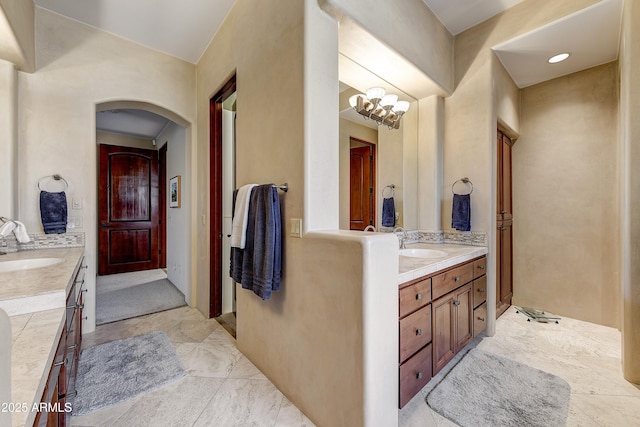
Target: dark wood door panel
<point>128,198</point>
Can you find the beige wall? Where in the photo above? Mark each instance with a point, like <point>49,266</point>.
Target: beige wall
<point>336,376</point>
<point>565,198</point>
<point>124,140</point>
<point>17,34</point>
<point>79,67</point>
<point>629,158</point>
<point>9,139</point>
<point>475,108</point>
<point>424,41</point>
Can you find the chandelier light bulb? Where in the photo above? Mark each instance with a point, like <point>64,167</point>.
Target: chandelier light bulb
<point>375,93</point>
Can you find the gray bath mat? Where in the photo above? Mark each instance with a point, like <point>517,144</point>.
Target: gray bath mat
<point>138,300</point>
<point>113,372</point>
<point>488,390</point>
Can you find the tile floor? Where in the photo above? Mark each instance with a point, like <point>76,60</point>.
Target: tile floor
<point>223,388</point>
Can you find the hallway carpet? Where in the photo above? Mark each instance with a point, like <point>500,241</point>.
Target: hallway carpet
<point>137,300</point>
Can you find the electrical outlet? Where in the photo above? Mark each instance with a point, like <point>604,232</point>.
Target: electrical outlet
<point>76,202</point>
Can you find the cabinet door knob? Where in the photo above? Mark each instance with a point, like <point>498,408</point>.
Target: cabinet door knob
<point>419,375</point>
<point>62,362</point>
<point>457,279</point>
<point>481,319</point>
<point>456,303</point>
<point>418,332</point>
<point>419,297</point>
<point>481,267</point>
<point>481,291</point>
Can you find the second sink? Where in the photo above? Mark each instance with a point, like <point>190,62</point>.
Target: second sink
<point>422,253</point>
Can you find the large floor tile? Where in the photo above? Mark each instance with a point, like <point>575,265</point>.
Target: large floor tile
<point>241,403</point>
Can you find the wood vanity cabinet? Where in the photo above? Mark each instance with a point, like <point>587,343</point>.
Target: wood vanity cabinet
<point>60,390</point>
<point>415,337</point>
<point>437,319</point>
<point>479,295</point>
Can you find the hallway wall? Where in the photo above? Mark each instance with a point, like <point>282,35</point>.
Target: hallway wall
<point>57,108</point>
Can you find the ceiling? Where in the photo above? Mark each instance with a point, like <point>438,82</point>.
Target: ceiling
<point>184,29</point>
<point>134,122</point>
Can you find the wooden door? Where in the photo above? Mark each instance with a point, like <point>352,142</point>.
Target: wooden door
<point>443,331</point>
<point>362,187</point>
<point>463,305</point>
<point>215,196</point>
<point>504,221</point>
<point>128,210</point>
<point>504,293</point>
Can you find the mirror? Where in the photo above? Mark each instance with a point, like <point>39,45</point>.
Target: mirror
<point>393,156</point>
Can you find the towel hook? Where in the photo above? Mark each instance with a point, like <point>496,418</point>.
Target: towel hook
<point>391,187</point>
<point>55,177</point>
<point>464,180</point>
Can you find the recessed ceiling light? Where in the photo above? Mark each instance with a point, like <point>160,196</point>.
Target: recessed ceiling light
<point>558,58</point>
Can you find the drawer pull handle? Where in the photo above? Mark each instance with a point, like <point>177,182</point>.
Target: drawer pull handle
<point>419,297</point>
<point>72,307</point>
<point>419,375</point>
<point>456,303</point>
<point>481,319</point>
<point>457,279</point>
<point>481,291</point>
<point>481,267</point>
<point>72,347</point>
<point>418,332</point>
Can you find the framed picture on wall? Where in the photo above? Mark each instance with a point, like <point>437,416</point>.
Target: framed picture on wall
<point>174,192</point>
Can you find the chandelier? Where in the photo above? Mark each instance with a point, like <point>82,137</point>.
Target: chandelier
<point>383,109</point>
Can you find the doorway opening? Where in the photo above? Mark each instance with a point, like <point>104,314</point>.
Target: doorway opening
<point>142,251</point>
<point>222,116</point>
<point>362,178</point>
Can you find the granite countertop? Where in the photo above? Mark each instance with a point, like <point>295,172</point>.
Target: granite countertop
<point>412,268</point>
<point>35,302</point>
<point>38,289</point>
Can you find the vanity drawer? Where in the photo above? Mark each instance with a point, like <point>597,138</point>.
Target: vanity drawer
<point>479,267</point>
<point>479,291</point>
<point>480,319</point>
<point>415,296</point>
<point>414,374</point>
<point>415,332</point>
<point>446,282</point>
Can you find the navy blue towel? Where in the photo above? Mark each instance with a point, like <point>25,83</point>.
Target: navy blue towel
<point>53,212</point>
<point>258,266</point>
<point>461,214</point>
<point>388,212</point>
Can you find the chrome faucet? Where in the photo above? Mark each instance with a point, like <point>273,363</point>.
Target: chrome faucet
<point>370,228</point>
<point>403,238</point>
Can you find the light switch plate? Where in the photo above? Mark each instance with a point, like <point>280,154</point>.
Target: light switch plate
<point>295,227</point>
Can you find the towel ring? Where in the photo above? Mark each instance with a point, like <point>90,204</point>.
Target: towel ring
<point>465,180</point>
<point>391,187</point>
<point>55,177</point>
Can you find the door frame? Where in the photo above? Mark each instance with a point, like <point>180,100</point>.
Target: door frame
<point>215,196</point>
<point>162,205</point>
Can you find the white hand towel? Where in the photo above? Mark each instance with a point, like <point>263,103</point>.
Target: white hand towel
<point>241,216</point>
<point>21,233</point>
<point>7,228</point>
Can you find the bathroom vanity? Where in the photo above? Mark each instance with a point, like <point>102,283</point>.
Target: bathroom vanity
<point>440,311</point>
<point>44,304</point>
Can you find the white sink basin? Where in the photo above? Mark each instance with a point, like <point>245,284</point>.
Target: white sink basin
<point>422,253</point>
<point>28,264</point>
